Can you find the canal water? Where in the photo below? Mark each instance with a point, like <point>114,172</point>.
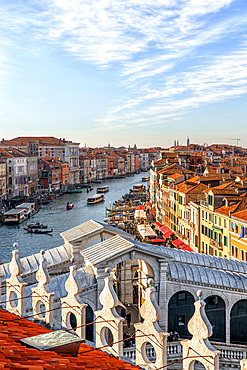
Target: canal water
<point>59,219</point>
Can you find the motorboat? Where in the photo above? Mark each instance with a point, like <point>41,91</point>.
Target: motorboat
<point>103,189</point>
<point>70,205</point>
<point>95,199</point>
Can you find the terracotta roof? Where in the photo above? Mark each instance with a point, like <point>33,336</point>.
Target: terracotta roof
<point>241,214</point>
<point>24,140</point>
<point>175,176</point>
<point>15,355</point>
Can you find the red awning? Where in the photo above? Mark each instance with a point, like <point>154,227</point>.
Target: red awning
<point>168,233</point>
<point>151,212</point>
<point>158,241</point>
<point>148,203</point>
<point>158,224</point>
<point>139,207</point>
<point>177,242</point>
<point>185,247</point>
<point>164,229</point>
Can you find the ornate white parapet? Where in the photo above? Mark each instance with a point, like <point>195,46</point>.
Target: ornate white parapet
<point>199,348</point>
<point>15,286</point>
<point>41,295</point>
<point>149,331</point>
<point>108,319</point>
<point>71,304</point>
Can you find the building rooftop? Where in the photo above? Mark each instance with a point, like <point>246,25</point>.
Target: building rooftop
<point>15,355</point>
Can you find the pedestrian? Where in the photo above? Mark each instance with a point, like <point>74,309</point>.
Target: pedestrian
<point>170,338</point>
<point>128,318</point>
<point>126,337</point>
<point>176,336</point>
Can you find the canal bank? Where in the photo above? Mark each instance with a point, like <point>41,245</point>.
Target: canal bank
<point>59,219</point>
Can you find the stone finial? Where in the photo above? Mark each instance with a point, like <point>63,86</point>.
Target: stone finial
<point>201,329</point>
<point>71,304</point>
<point>150,331</point>
<point>42,275</point>
<point>15,286</point>
<point>243,364</point>
<point>15,266</point>
<point>108,318</point>
<point>42,294</point>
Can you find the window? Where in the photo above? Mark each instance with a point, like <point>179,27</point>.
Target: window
<point>210,200</point>
<point>206,215</point>
<point>202,247</point>
<point>219,221</point>
<point>225,240</point>
<point>202,214</point>
<point>211,251</point>
<point>215,219</point>
<point>224,224</point>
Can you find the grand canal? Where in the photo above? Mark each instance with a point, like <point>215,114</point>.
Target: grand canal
<point>59,219</point>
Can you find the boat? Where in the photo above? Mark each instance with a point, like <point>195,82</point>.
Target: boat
<point>97,181</point>
<point>38,231</point>
<point>70,205</point>
<point>14,216</point>
<point>146,179</point>
<point>73,191</point>
<point>103,189</point>
<point>37,225</point>
<point>95,199</point>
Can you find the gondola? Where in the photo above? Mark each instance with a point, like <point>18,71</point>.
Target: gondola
<point>37,225</point>
<point>38,231</point>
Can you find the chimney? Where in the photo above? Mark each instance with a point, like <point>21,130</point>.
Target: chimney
<point>209,186</point>
<point>230,213</point>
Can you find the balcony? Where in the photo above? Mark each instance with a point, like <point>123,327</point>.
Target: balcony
<point>204,203</point>
<point>230,356</point>
<point>216,244</point>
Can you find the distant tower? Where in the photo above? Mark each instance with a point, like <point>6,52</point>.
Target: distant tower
<point>135,147</point>
<point>188,141</point>
<point>174,143</point>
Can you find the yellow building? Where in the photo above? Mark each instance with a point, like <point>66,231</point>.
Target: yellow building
<point>238,232</point>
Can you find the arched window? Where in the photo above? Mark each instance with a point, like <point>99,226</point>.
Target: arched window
<point>180,310</point>
<point>89,328</point>
<point>238,322</point>
<point>216,313</point>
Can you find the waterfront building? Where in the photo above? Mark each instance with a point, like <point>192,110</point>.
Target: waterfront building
<point>72,158</point>
<point>53,174</point>
<point>49,147</point>
<point>3,184</point>
<point>21,172</point>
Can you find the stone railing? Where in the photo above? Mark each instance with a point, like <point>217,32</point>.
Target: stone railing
<point>230,354</point>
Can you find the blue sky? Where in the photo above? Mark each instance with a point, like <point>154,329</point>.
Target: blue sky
<point>124,72</point>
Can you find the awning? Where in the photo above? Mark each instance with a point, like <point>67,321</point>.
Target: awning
<point>177,242</point>
<point>167,234</point>
<point>158,241</point>
<point>146,231</point>
<point>151,212</point>
<point>158,224</point>
<point>140,207</point>
<point>148,203</point>
<point>185,247</point>
<point>140,214</point>
<point>164,229</point>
